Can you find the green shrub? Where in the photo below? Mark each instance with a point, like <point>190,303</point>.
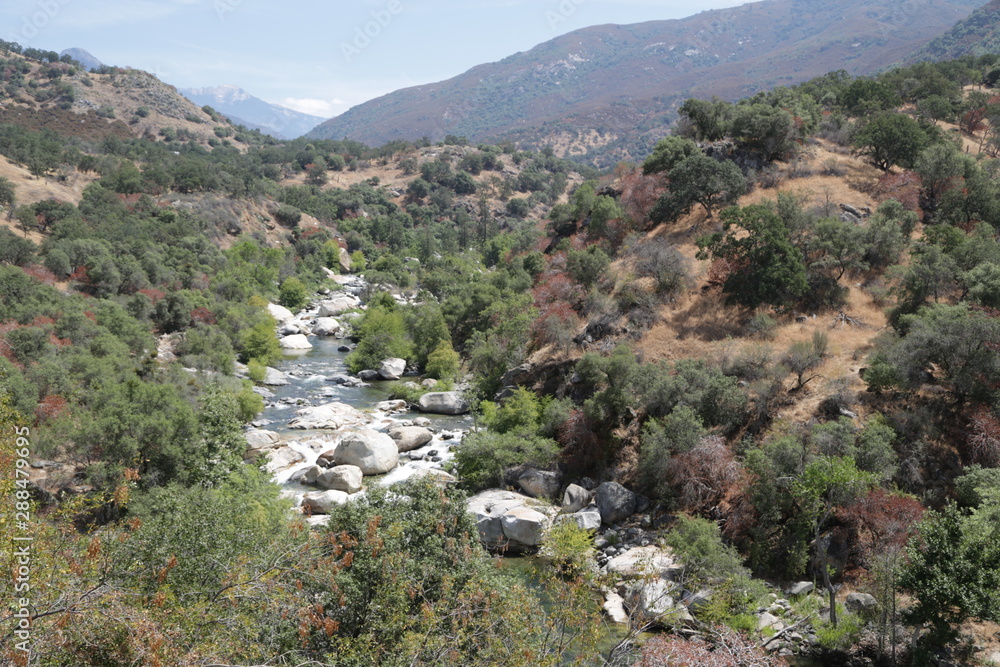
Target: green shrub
<point>261,343</point>
<point>570,547</point>
<point>841,637</point>
<point>293,294</point>
<point>382,335</point>
<point>443,363</point>
<point>257,371</point>
<point>483,456</point>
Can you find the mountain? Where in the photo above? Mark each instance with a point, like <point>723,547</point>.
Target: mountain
<point>976,35</point>
<point>588,89</point>
<point>84,57</point>
<point>253,112</point>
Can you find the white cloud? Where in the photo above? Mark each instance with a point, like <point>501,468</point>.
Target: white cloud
<point>324,108</point>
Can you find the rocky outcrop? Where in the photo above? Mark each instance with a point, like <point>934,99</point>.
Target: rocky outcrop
<point>586,519</point>
<point>614,501</point>
<point>329,416</point>
<point>338,305</point>
<point>509,521</point>
<point>274,378</point>
<point>575,498</point>
<point>443,403</point>
<point>392,369</point>
<point>649,561</point>
<point>259,440</point>
<point>282,459</point>
<point>408,438</point>
<point>375,453</point>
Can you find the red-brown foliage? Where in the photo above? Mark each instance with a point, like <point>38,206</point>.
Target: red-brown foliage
<point>727,648</point>
<point>80,275</point>
<point>5,349</point>
<point>879,521</point>
<point>904,188</point>
<point>50,407</point>
<point>581,447</point>
<point>639,193</point>
<point>704,476</point>
<point>203,315</point>
<point>554,287</point>
<point>41,274</point>
<point>154,294</point>
<point>557,324</point>
<point>983,437</point>
<point>42,321</point>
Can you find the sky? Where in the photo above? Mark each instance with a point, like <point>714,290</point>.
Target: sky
<point>318,57</point>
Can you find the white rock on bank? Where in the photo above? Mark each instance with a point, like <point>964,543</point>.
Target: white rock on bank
<point>408,438</point>
<point>326,326</point>
<point>392,369</point>
<point>524,525</point>
<point>280,313</point>
<point>282,459</point>
<point>338,305</point>
<point>275,378</point>
<point>295,342</point>
<point>643,562</point>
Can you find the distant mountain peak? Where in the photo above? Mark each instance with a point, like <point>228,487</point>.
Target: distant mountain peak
<point>245,109</point>
<point>84,57</point>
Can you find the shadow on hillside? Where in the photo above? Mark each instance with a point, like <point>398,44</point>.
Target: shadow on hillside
<point>706,319</point>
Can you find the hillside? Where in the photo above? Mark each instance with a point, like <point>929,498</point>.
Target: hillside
<point>245,109</point>
<point>622,82</point>
<point>975,35</point>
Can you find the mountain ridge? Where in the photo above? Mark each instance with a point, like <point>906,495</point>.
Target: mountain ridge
<point>618,79</point>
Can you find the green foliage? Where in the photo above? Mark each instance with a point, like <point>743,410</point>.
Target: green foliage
<point>293,294</point>
<point>757,242</point>
<point>570,547</point>
<point>443,363</point>
<point>699,179</point>
<point>706,559</point>
<point>892,139</point>
<point>587,266</point>
<point>382,335</point>
<point>484,455</point>
<point>680,431</point>
<point>261,343</point>
<point>843,635</point>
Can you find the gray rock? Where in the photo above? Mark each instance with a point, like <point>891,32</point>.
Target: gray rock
<point>392,369</point>
<point>327,458</point>
<point>344,478</point>
<point>575,498</point>
<point>296,342</point>
<point>263,393</point>
<point>369,375</point>
<point>282,459</point>
<point>586,519</point>
<point>524,526</point>
<point>375,453</point>
<point>334,415</point>
<point>429,383</point>
<point>769,621</point>
<point>614,607</point>
<point>860,602</point>
<point>648,561</point>
<point>326,326</point>
<point>443,403</point>
<point>279,313</point>
<point>392,406</point>
<point>409,438</point>
<point>801,588</point>
<point>259,439</point>
<point>275,378</point>
<point>322,503</point>
<point>614,501</point>
<point>488,509</point>
<point>539,483</point>
<point>652,599</point>
<point>338,305</point>
<point>311,474</point>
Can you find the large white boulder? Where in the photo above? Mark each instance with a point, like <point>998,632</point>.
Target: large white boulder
<point>649,561</point>
<point>586,519</point>
<point>295,342</point>
<point>443,403</point>
<point>409,438</point>
<point>489,509</point>
<point>282,459</point>
<point>338,304</point>
<point>326,326</point>
<point>654,600</point>
<point>524,525</point>
<point>392,369</point>
<point>375,453</point>
<point>280,313</point>
<point>334,415</point>
<point>341,478</point>
<point>322,503</point>
<point>575,498</point>
<point>258,440</point>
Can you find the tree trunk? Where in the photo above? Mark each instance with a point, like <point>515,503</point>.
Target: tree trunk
<point>821,552</point>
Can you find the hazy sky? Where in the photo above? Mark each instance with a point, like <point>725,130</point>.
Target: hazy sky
<point>321,57</point>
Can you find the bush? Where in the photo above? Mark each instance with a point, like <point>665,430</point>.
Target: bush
<point>293,294</point>
<point>257,371</point>
<point>443,363</point>
<point>261,343</point>
<point>382,335</point>
<point>571,548</point>
<point>484,455</point>
<point>289,216</point>
<point>842,636</point>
